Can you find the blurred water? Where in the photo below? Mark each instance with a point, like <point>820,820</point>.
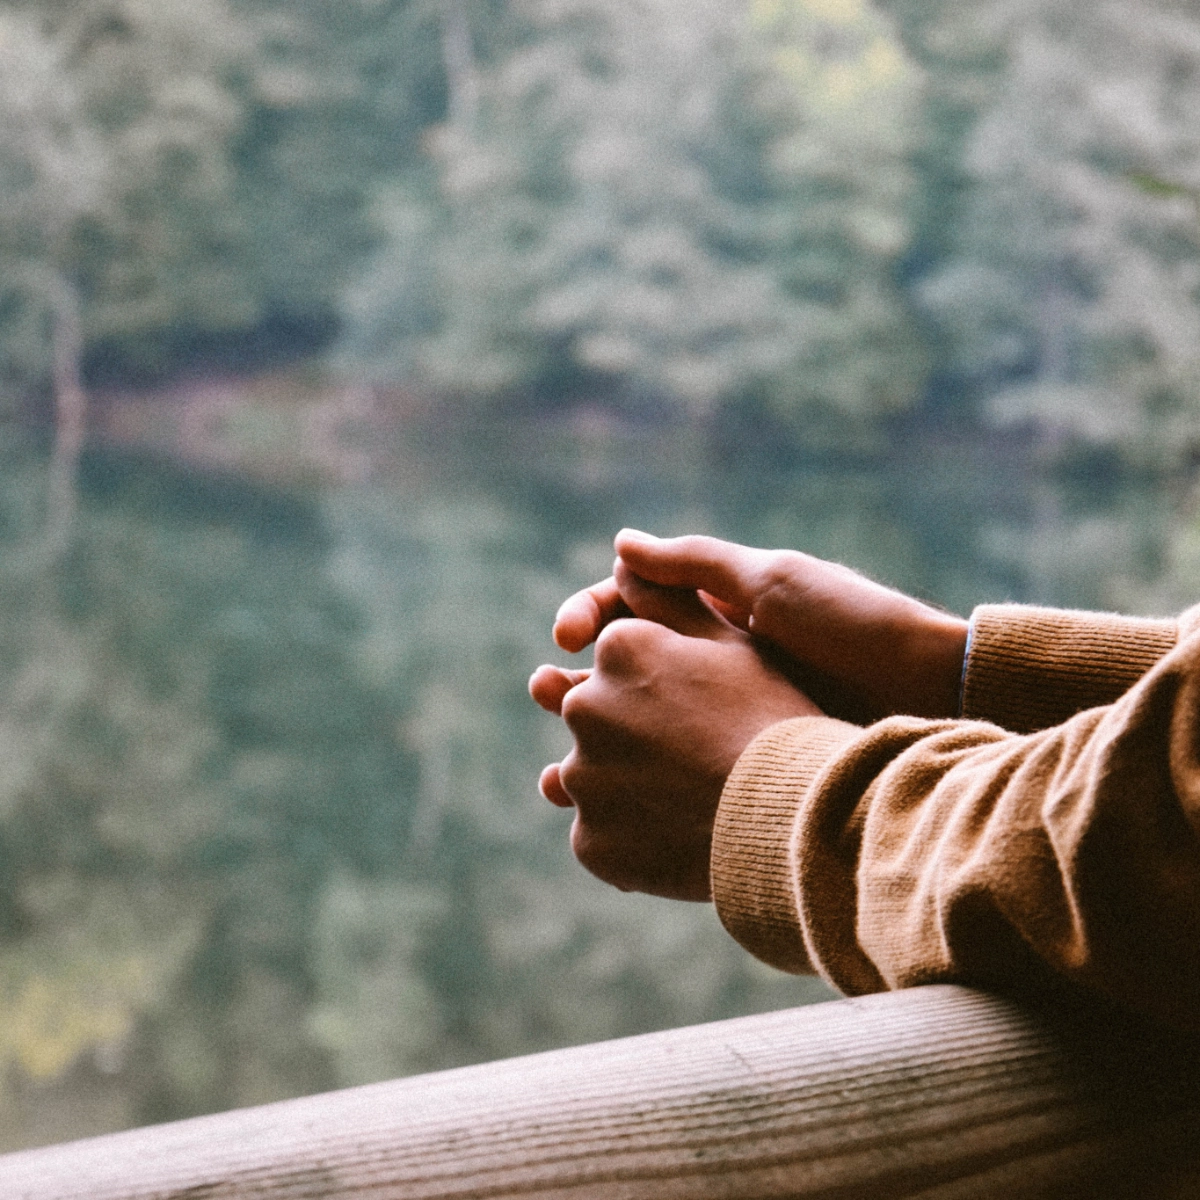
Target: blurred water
<point>268,815</point>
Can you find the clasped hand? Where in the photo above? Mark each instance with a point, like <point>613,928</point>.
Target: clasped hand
<point>700,645</point>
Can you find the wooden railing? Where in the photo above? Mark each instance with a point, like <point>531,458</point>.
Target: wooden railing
<point>937,1092</point>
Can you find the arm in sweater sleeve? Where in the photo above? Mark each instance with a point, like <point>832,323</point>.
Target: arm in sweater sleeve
<point>917,851</point>
<point>1029,668</point>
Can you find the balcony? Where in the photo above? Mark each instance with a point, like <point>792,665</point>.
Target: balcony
<point>937,1092</point>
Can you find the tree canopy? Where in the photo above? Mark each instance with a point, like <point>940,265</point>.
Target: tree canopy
<point>689,203</point>
<point>819,211</point>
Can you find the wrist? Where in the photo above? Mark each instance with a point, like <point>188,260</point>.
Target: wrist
<point>934,651</point>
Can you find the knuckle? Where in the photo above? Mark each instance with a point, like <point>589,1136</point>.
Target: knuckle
<point>612,637</point>
<point>597,853</point>
<point>585,845</point>
<point>572,701</point>
<point>693,543</point>
<point>572,774</point>
<point>604,640</point>
<point>699,548</point>
<point>577,708</point>
<point>620,643</point>
<point>779,568</point>
<point>583,841</point>
<point>780,579</point>
<point>585,780</point>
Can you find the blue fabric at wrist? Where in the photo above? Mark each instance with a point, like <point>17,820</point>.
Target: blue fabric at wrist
<point>962,679</point>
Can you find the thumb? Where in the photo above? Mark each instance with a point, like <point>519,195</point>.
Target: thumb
<point>726,571</point>
<point>678,608</point>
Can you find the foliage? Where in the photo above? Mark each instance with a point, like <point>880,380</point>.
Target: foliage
<point>175,723</point>
<point>52,173</point>
<point>194,170</point>
<point>798,209</point>
<point>140,215</point>
<point>848,121</point>
<point>266,789</point>
<point>1069,295</point>
<point>678,201</point>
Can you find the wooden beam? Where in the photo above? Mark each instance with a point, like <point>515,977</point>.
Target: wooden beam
<point>937,1092</point>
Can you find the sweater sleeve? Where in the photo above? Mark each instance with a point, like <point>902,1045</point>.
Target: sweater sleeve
<point>1030,668</point>
<point>921,851</point>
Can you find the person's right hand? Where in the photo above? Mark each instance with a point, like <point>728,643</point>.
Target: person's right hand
<point>882,652</point>
<point>675,697</point>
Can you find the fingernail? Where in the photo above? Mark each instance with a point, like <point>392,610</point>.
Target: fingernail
<point>637,535</point>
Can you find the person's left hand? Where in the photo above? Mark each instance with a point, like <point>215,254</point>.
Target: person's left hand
<point>676,695</point>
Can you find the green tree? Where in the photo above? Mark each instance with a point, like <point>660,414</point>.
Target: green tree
<point>694,202</point>
<point>196,170</point>
<point>1069,298</point>
<point>339,95</point>
<point>157,91</point>
<point>189,751</point>
<point>52,172</point>
<point>848,123</point>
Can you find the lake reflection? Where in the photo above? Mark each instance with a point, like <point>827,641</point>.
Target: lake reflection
<point>268,804</point>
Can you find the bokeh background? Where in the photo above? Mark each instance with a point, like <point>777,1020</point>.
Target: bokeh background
<point>337,337</point>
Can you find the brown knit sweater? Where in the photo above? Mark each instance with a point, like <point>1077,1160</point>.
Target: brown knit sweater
<point>1051,835</point>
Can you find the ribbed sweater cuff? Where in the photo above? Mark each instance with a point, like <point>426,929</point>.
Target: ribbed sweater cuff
<point>1030,668</point>
<point>753,869</point>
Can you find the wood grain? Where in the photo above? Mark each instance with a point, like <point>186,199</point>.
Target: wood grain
<point>937,1092</point>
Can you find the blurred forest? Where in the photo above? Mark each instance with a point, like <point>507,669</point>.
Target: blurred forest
<point>336,339</point>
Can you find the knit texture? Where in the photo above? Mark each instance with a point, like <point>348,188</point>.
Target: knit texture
<point>917,851</point>
<point>1030,668</point>
<point>753,875</point>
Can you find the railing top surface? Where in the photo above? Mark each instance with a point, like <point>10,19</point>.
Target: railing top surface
<point>934,1092</point>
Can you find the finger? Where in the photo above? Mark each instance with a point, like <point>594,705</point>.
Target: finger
<point>723,569</point>
<point>549,684</point>
<point>599,855</point>
<point>550,785</point>
<point>591,710</point>
<point>738,617</point>
<point>581,616</point>
<point>680,609</point>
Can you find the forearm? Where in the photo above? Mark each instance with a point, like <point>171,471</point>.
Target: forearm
<point>1031,668</point>
<point>920,851</point>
